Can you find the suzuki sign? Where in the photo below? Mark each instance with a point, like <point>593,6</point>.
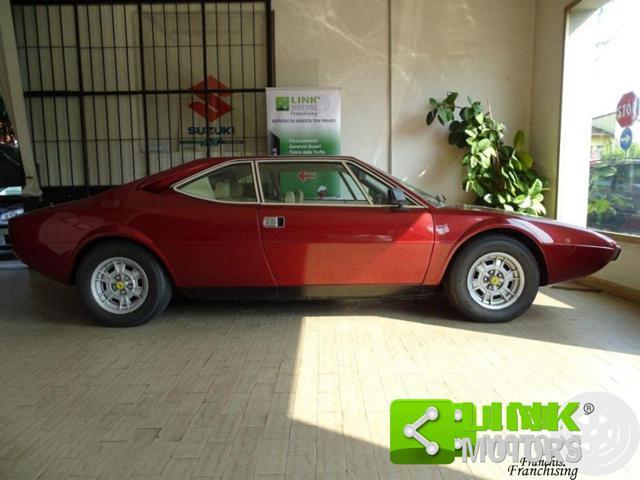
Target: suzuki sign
<point>212,107</point>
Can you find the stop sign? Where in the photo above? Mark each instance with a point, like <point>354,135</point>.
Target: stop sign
<point>627,110</point>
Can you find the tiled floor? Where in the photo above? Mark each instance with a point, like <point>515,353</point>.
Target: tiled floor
<point>275,390</point>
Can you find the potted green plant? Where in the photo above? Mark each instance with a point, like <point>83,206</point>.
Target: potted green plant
<point>501,175</point>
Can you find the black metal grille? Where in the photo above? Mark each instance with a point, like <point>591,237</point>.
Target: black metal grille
<point>119,90</point>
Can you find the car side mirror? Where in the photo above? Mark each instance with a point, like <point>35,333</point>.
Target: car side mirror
<point>396,197</point>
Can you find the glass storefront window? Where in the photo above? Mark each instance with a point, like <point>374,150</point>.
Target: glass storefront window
<point>614,166</point>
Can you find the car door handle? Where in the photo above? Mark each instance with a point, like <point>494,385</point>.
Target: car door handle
<point>273,222</point>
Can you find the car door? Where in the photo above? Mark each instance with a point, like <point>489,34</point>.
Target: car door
<point>320,226</point>
<point>210,231</point>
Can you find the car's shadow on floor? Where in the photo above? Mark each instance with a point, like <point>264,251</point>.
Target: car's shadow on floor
<point>558,316</point>
<point>576,317</point>
<point>433,306</point>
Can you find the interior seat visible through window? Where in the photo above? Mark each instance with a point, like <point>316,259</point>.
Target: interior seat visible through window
<point>233,183</point>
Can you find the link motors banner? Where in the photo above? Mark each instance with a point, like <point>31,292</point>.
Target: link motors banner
<point>303,121</point>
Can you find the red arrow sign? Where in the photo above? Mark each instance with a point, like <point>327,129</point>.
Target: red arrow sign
<point>304,176</point>
<point>627,110</point>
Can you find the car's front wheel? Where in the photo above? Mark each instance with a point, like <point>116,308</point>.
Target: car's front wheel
<point>123,284</point>
<point>493,279</point>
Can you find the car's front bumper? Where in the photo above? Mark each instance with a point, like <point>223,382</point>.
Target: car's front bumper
<point>617,254</point>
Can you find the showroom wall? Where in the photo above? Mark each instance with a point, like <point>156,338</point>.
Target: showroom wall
<point>334,43</point>
<point>481,48</point>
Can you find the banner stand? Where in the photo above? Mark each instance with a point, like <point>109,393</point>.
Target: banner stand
<point>303,121</point>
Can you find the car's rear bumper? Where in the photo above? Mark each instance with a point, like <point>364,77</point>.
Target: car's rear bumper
<point>50,259</point>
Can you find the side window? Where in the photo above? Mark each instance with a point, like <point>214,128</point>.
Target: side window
<point>377,191</point>
<point>233,183</point>
<point>309,182</point>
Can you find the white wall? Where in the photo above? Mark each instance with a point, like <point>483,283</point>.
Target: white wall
<point>480,48</point>
<point>335,43</point>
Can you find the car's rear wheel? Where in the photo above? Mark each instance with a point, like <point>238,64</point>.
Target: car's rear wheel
<point>123,284</point>
<point>493,279</point>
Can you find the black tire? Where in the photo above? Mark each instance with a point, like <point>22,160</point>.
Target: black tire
<point>159,292</point>
<point>455,282</point>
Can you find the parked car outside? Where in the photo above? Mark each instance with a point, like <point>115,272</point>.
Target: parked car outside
<point>614,196</point>
<point>11,182</point>
<point>7,212</point>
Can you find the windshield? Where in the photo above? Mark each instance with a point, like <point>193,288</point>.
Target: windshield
<point>9,191</point>
<point>437,200</point>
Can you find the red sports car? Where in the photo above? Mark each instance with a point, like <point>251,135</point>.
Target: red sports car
<point>309,227</point>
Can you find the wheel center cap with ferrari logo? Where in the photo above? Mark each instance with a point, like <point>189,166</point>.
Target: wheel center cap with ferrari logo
<point>494,279</point>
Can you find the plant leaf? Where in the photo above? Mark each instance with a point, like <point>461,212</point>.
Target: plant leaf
<point>518,140</point>
<point>525,159</point>
<point>451,97</point>
<point>430,117</point>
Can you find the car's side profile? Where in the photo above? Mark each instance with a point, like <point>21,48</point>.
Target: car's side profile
<point>295,226</point>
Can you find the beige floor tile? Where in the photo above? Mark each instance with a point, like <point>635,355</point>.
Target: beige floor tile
<point>272,457</point>
<point>139,442</point>
<point>155,459</point>
<point>279,390</point>
<point>213,459</point>
<point>244,453</point>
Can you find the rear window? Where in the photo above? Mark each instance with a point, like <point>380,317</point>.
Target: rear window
<point>233,183</point>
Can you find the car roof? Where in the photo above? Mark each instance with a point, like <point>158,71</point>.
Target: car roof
<point>284,158</point>
<point>166,178</point>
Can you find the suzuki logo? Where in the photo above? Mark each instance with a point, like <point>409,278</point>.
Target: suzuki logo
<point>213,107</point>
